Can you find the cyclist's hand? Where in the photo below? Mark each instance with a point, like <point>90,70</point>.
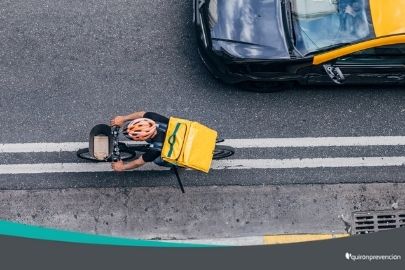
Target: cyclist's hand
<point>118,166</point>
<point>117,121</point>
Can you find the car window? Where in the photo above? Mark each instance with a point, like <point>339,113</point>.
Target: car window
<point>394,54</point>
<point>319,24</point>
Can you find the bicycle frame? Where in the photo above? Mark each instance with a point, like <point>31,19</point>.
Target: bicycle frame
<point>117,148</point>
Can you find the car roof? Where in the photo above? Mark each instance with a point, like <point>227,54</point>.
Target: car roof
<point>388,17</point>
<point>389,27</point>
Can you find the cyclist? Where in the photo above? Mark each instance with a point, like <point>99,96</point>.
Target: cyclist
<point>142,126</point>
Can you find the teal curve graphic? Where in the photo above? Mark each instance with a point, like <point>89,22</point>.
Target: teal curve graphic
<point>8,228</point>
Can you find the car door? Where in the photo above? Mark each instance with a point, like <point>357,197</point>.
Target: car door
<point>385,64</point>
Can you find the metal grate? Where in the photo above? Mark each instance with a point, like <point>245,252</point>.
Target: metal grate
<point>374,221</point>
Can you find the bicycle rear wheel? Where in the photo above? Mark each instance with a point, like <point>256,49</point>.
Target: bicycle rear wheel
<point>223,151</point>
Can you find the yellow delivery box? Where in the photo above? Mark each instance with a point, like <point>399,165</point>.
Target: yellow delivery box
<point>189,144</point>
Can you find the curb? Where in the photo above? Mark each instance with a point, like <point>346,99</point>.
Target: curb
<point>263,240</point>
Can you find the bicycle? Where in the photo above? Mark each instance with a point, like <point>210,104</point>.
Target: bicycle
<point>105,145</point>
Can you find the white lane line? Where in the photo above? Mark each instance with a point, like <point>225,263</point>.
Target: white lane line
<point>65,168</point>
<point>42,147</point>
<point>237,143</point>
<point>316,142</point>
<point>343,162</point>
<point>232,164</point>
<point>45,147</point>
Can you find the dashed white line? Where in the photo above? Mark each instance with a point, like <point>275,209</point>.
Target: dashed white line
<point>343,162</point>
<point>42,147</point>
<point>65,168</point>
<point>231,164</point>
<point>316,142</point>
<point>237,143</point>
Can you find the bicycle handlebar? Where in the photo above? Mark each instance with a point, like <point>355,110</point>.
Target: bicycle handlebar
<point>115,155</point>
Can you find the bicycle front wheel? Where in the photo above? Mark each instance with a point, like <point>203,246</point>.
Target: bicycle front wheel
<point>85,154</point>
<point>223,151</point>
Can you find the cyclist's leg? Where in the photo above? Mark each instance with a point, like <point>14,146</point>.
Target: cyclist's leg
<point>160,162</point>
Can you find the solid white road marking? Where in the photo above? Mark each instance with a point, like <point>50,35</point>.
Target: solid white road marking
<point>236,143</point>
<point>231,164</point>
<point>42,147</point>
<point>46,147</point>
<point>316,142</point>
<point>309,163</point>
<point>66,167</point>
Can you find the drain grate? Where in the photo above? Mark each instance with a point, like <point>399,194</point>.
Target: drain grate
<point>374,221</point>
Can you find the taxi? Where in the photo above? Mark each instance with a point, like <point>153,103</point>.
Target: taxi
<point>304,41</point>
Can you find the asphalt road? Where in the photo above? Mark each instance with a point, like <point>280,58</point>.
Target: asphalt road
<point>67,65</point>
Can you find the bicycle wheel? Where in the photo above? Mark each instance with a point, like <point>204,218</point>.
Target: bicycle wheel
<point>85,154</point>
<point>223,151</point>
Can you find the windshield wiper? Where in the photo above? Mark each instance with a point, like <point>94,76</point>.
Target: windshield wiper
<point>290,25</point>
<point>329,48</point>
<point>290,20</point>
<point>334,46</point>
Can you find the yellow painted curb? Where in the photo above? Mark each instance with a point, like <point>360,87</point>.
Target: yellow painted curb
<point>297,238</point>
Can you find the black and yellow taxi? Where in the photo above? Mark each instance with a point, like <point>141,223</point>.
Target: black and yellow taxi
<point>305,41</point>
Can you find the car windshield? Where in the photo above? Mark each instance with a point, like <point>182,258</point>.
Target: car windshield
<point>319,24</point>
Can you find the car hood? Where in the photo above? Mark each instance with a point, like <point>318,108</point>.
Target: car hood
<point>248,28</point>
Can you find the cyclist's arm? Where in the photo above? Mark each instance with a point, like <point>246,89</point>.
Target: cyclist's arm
<point>120,120</point>
<point>134,115</point>
<point>134,164</point>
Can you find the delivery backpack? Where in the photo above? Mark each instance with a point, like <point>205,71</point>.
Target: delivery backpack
<point>188,144</point>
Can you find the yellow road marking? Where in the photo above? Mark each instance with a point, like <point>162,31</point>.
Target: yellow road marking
<point>297,238</point>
